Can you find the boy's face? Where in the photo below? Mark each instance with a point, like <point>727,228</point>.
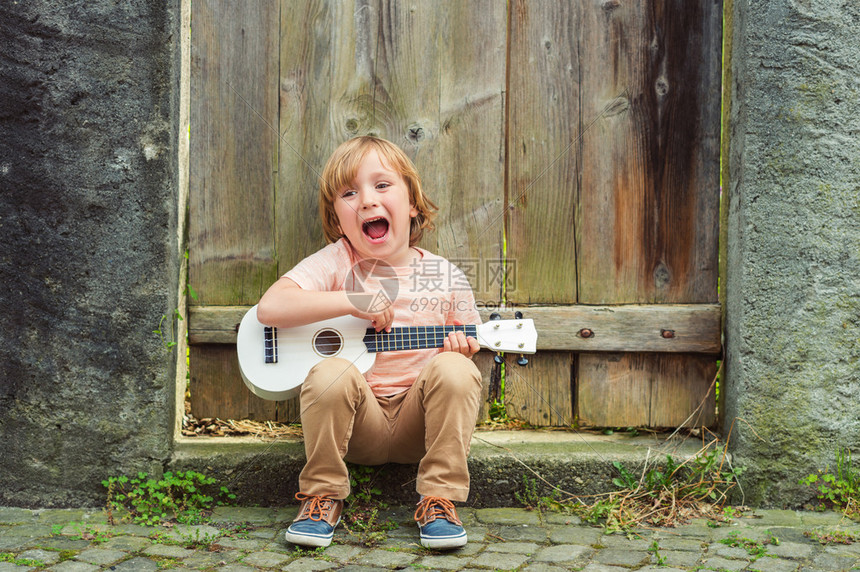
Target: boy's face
<point>375,213</point>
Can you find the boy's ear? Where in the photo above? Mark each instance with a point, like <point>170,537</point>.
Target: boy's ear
<point>413,212</point>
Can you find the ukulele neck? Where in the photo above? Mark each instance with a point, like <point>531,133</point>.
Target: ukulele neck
<point>413,337</point>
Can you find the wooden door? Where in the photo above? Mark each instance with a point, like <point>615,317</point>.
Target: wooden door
<point>573,148</point>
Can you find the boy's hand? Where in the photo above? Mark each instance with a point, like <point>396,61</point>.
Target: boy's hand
<point>458,342</point>
<point>381,320</point>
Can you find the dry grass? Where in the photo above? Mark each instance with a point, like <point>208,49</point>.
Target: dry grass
<point>665,494</point>
<point>213,427</point>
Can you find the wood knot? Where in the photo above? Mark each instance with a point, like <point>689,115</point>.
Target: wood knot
<point>586,333</point>
<point>662,276</point>
<point>617,106</point>
<point>610,5</point>
<point>415,133</point>
<point>352,125</point>
<point>668,334</point>
<point>661,86</point>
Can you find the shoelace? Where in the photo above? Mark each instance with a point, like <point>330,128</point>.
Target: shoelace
<point>436,507</point>
<point>318,508</point>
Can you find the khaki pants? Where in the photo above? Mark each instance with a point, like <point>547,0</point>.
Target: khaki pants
<point>431,423</point>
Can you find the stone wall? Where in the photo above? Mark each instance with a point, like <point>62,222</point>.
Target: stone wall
<point>90,259</point>
<point>792,382</point>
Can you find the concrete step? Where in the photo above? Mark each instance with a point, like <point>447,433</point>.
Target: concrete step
<point>266,473</point>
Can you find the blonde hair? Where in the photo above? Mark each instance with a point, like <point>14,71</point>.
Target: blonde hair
<point>340,171</point>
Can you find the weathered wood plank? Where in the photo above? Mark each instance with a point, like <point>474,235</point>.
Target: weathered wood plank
<point>542,149</point>
<point>467,180</point>
<point>621,390</point>
<point>217,389</point>
<point>429,78</point>
<point>304,125</point>
<point>540,392</point>
<point>634,328</point>
<point>686,383</point>
<point>385,76</point>
<point>612,390</point>
<point>647,230</point>
<point>660,328</point>
<point>542,185</point>
<point>234,109</point>
<point>484,361</point>
<point>650,184</point>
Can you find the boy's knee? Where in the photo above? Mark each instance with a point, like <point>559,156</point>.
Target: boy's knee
<point>331,376</point>
<point>451,368</point>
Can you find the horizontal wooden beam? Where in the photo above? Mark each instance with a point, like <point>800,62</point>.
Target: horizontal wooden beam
<point>675,328</point>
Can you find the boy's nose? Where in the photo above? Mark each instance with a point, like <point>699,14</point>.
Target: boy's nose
<point>368,200</point>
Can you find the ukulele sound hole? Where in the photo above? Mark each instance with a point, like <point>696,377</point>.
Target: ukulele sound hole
<point>328,343</point>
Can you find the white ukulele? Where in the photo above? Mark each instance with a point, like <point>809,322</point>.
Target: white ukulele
<point>275,361</point>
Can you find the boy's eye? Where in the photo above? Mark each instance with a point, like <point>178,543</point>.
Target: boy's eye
<point>382,185</point>
<point>347,193</point>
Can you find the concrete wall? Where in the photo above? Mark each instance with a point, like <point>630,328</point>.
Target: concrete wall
<point>793,302</point>
<point>90,258</point>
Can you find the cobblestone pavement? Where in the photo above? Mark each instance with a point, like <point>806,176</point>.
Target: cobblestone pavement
<point>251,539</point>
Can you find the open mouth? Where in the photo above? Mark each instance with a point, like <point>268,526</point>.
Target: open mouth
<point>375,228</point>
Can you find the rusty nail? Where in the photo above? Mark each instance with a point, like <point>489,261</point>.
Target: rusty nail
<point>586,333</point>
<point>668,334</point>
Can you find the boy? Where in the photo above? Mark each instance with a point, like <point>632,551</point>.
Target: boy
<point>411,406</point>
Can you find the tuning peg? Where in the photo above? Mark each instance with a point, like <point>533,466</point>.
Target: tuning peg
<point>495,316</point>
<point>522,360</point>
<point>498,358</point>
<point>518,315</point>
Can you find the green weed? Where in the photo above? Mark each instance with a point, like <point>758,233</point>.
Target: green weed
<point>603,511</point>
<point>166,333</point>
<point>12,559</point>
<point>361,484</point>
<point>241,530</point>
<point>316,553</point>
<point>655,550</point>
<point>185,497</point>
<point>68,554</point>
<point>842,490</point>
<point>361,514</point>
<point>191,540</point>
<point>754,548</point>
<point>197,540</point>
<point>531,499</point>
<point>834,537</point>
<point>165,563</point>
<point>90,533</point>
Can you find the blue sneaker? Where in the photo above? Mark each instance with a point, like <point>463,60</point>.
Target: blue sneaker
<point>438,524</point>
<point>318,517</point>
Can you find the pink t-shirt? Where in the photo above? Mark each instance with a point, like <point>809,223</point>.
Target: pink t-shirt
<point>429,292</point>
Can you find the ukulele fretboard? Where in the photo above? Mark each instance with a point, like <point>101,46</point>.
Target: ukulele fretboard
<point>413,337</point>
